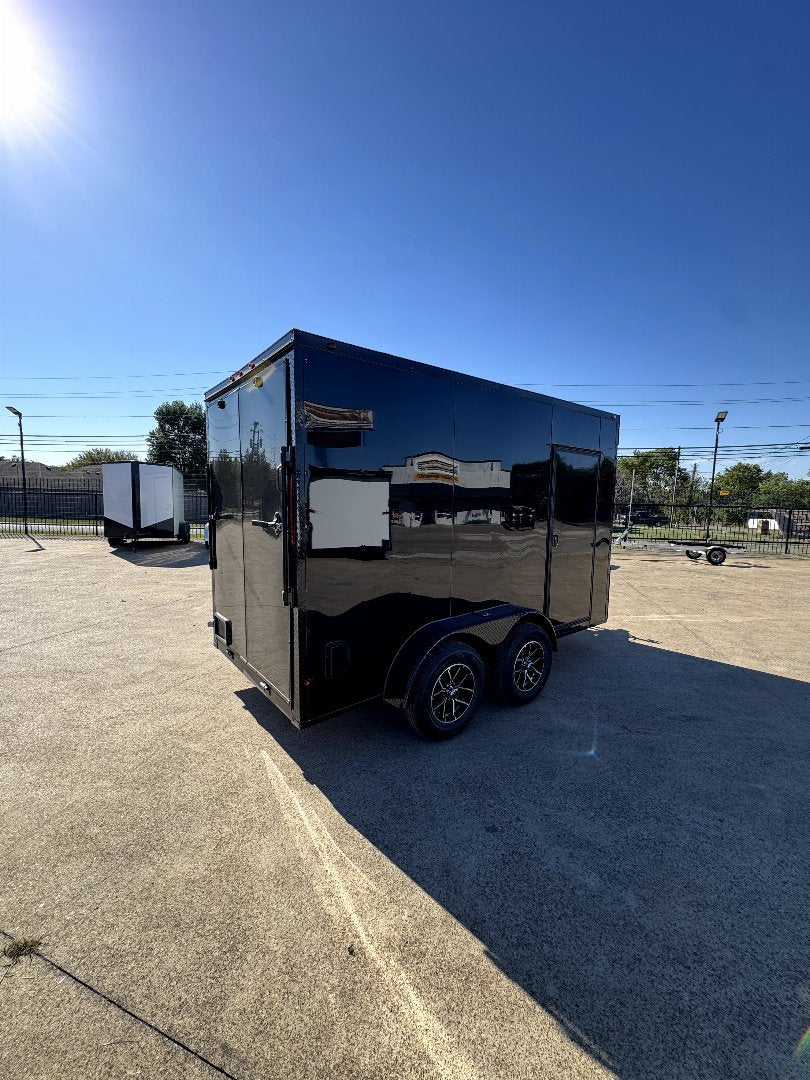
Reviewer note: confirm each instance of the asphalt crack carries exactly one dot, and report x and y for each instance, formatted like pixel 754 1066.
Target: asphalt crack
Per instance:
pixel 127 1012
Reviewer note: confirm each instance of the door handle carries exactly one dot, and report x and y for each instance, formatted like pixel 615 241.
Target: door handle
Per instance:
pixel 275 526
pixel 555 539
pixel 212 542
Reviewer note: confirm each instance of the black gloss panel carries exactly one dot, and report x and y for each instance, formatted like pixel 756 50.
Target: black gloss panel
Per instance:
pixel 609 438
pixel 573 524
pixel 379 473
pixel 225 463
pixel 570 427
pixel 263 424
pixel 501 499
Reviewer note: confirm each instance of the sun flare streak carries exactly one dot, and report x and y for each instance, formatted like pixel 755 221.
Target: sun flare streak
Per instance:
pixel 28 97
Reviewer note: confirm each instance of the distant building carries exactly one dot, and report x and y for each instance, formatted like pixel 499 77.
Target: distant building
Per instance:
pixel 435 489
pixel 778 522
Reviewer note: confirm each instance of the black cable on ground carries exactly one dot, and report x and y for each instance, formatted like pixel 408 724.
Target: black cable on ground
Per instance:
pixel 128 1012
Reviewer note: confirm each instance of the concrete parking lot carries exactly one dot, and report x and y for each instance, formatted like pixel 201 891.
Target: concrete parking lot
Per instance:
pixel 614 881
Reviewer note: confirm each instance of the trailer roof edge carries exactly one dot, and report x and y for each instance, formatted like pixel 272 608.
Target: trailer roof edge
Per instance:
pixel 306 338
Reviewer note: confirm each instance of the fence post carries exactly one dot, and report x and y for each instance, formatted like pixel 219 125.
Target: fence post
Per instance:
pixel 95 510
pixel 788 531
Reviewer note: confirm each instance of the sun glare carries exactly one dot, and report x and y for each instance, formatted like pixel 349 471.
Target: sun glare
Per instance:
pixel 26 91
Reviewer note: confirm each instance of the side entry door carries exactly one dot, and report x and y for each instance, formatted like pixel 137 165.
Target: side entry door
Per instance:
pixel 265 476
pixel 572 536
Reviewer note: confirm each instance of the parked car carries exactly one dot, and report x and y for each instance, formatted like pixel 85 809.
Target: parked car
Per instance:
pixel 648 517
pixel 518 517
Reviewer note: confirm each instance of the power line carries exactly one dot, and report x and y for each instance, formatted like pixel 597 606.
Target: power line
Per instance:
pixel 741 452
pixel 135 436
pixel 62 435
pixel 107 395
pixel 723 446
pixel 710 427
pixel 85 378
pixel 577 385
pixel 96 416
pixel 645 427
pixel 665 402
pixel 670 385
pixel 671 401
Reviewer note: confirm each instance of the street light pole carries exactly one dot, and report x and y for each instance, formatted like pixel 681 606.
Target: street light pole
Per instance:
pixel 18 414
pixel 674 486
pixel 718 420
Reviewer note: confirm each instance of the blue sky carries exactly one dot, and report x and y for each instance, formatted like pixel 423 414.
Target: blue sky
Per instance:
pixel 546 193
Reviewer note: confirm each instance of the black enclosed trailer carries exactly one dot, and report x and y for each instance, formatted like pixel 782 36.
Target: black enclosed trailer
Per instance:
pixel 381 528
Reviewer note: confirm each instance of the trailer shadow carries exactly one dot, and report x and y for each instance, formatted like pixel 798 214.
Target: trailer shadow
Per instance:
pixel 632 850
pixel 166 555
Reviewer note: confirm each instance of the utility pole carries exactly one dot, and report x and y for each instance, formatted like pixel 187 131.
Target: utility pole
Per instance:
pixel 18 414
pixel 630 507
pixel 718 421
pixel 691 489
pixel 674 486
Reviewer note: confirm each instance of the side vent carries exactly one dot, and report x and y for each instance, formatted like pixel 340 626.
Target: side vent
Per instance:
pixel 337 659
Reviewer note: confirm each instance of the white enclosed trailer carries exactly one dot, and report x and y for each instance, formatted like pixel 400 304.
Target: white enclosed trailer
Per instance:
pixel 143 501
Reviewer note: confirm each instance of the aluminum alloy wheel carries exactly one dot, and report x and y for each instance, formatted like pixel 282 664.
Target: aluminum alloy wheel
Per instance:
pixel 528 669
pixel 452 693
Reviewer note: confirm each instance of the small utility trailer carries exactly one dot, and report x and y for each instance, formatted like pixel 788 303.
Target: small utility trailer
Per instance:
pixel 715 553
pixel 382 529
pixel 143 500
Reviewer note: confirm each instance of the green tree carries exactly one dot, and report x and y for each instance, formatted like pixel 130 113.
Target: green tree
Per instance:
pixel 654 475
pixel 99 455
pixel 742 481
pixel 179 438
pixel 777 490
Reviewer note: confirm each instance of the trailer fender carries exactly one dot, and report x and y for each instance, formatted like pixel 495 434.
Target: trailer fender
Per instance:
pixel 485 630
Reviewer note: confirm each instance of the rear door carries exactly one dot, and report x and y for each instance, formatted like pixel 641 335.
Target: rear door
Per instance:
pixel 265 476
pixel 157 498
pixel 572 537
pixel 225 521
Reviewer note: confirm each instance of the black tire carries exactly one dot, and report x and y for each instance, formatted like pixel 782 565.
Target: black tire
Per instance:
pixel 115 541
pixel 716 556
pixel 693 555
pixel 432 708
pixel 522 664
pixel 183 533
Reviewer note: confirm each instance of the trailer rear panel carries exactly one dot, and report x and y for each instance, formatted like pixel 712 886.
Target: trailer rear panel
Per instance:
pixel 143 500
pixel 249 478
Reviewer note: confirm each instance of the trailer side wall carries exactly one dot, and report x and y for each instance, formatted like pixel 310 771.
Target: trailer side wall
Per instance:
pixel 472 473
pixel 363 423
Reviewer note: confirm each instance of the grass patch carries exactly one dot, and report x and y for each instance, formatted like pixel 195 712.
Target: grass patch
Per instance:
pixel 17 948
